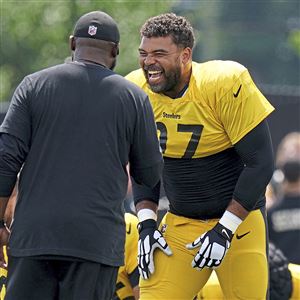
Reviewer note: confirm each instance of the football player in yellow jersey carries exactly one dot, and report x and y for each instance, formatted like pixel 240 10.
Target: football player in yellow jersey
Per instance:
pixel 127 287
pixel 211 121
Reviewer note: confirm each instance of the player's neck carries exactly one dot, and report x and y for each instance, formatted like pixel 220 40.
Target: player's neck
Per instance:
pixel 182 86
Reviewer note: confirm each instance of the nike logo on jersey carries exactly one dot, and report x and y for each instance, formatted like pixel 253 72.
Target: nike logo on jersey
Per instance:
pixel 238 91
pixel 242 235
pixel 129 229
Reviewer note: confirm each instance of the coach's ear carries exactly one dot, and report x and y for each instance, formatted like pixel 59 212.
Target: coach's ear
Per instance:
pixel 72 42
pixel 115 50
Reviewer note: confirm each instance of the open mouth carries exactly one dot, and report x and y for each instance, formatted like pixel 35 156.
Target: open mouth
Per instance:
pixel 154 76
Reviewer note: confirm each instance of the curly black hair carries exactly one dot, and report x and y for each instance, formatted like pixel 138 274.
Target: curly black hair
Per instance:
pixel 178 27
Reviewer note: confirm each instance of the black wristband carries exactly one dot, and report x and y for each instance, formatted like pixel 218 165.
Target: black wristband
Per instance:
pixel 149 223
pixel 2 224
pixel 223 231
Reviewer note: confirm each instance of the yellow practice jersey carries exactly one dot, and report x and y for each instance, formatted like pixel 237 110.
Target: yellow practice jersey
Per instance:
pixel 3 276
pixel 221 105
pixel 124 288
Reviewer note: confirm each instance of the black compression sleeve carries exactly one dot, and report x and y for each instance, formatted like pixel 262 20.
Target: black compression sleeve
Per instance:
pixel 256 151
pixel 147 176
pixel 142 192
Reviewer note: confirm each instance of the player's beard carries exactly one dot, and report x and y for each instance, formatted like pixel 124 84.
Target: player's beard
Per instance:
pixel 170 80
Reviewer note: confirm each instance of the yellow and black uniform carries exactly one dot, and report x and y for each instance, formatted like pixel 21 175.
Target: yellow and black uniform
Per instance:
pixel 128 275
pixel 3 276
pixel 197 134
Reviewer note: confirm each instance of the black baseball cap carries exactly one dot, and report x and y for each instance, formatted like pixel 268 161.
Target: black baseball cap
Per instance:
pixel 97 25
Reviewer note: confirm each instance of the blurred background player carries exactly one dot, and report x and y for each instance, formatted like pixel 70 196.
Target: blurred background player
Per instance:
pixel 127 287
pixel 218 160
pixel 284 214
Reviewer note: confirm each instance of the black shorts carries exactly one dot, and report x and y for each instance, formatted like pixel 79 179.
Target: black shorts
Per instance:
pixel 33 278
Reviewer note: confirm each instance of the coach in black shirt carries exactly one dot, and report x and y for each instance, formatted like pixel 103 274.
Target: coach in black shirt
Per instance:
pixel 71 129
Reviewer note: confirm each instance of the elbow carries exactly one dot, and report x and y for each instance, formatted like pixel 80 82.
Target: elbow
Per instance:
pixel 266 171
pixel 152 178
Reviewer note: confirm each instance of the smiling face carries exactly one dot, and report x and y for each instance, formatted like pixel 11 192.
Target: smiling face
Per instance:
pixel 164 64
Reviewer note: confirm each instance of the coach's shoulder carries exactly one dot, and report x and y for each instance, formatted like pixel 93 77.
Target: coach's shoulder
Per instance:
pixel 137 77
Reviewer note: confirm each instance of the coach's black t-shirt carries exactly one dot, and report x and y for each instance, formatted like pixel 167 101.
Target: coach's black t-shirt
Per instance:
pixel 81 124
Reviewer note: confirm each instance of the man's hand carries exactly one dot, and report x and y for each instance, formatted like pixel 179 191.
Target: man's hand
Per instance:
pixel 213 247
pixel 150 239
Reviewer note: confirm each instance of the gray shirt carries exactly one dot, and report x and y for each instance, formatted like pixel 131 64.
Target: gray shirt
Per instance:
pixel 73 128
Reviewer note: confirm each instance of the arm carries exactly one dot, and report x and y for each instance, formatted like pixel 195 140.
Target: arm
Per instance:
pixel 145 159
pixel 7 206
pixel 4 233
pixel 255 149
pixel 10 208
pixel 134 281
pixel 12 155
pixel 136 292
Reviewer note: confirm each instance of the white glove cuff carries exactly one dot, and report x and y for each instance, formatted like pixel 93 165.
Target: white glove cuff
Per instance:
pixel 230 221
pixel 145 214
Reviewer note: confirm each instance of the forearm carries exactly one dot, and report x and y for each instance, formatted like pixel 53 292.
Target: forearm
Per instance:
pixel 10 208
pixel 136 292
pixel 146 204
pixel 256 151
pixel 237 209
pixel 146 209
pixel 3 204
pixel 146 200
pixel 149 177
pixel 134 282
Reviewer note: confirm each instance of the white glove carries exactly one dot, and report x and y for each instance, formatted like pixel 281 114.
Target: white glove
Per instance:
pixel 213 247
pixel 215 243
pixel 150 239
